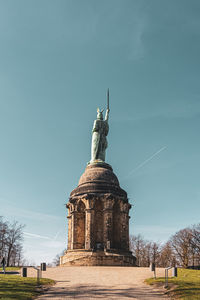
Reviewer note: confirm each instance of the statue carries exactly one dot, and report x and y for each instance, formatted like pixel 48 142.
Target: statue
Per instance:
pixel 99 133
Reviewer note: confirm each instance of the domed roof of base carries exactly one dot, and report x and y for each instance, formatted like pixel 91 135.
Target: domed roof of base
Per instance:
pixel 98 178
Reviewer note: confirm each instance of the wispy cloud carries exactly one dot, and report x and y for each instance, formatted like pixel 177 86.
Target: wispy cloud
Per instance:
pixel 54 244
pixel 36 235
pixel 33 235
pixel 41 247
pixel 11 209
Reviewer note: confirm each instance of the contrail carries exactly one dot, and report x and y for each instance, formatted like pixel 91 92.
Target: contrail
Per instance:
pixel 147 160
pixel 36 235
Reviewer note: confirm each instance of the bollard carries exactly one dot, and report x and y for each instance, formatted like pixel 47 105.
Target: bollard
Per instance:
pixel 43 267
pixel 174 272
pixel 152 267
pixel 24 272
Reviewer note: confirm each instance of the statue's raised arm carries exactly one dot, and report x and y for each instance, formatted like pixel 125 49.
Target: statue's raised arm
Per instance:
pixel 108 108
pixel 99 133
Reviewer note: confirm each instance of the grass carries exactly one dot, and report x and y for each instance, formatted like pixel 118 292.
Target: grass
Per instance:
pixel 16 287
pixel 11 269
pixel 186 286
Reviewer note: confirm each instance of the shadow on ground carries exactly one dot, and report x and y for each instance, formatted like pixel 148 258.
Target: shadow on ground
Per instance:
pixel 85 291
pixel 10 273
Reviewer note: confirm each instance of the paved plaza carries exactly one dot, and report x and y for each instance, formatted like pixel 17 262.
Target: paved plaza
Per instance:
pixel 100 283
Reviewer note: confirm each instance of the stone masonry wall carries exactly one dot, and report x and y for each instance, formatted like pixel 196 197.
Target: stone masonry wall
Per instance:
pixel 98 223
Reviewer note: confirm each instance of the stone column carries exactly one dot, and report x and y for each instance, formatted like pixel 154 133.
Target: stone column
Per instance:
pixel 108 222
pixel 125 226
pixel 73 230
pixel 89 234
pixel 69 246
pixel 128 218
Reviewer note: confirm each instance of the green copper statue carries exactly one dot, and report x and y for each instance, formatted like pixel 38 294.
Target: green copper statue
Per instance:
pixel 99 133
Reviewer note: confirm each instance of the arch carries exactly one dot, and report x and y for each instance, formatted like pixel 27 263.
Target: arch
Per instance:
pixel 79 226
pixel 116 226
pixel 81 207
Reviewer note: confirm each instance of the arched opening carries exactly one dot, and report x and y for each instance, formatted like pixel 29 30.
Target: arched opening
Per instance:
pixel 99 225
pixel 116 226
pixel 79 226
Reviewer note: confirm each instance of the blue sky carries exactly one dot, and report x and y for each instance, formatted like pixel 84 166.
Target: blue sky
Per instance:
pixel 57 59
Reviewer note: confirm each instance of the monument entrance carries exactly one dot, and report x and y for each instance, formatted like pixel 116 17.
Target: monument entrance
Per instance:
pixel 98 210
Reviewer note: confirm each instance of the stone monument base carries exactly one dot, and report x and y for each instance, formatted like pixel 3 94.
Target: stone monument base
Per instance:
pixel 97 258
pixel 98 221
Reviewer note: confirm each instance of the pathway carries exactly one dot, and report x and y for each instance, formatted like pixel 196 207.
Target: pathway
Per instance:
pixel 100 283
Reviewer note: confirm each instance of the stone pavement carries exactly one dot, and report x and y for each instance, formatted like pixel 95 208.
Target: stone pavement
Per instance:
pixel 100 283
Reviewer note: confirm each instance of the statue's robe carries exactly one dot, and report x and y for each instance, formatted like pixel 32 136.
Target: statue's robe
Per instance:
pixel 99 141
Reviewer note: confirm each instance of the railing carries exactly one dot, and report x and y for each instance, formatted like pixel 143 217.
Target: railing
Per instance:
pixel 39 271
pixel 174 274
pixel 38 274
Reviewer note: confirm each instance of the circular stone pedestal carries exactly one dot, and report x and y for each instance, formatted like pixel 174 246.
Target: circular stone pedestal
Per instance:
pixel 99 258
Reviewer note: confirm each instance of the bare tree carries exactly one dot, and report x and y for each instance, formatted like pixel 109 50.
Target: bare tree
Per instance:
pixel 146 254
pixel 195 244
pixel 183 248
pixel 14 239
pixel 11 237
pixel 181 244
pixel 144 251
pixel 167 256
pixel 155 253
pixel 3 236
pixel 16 257
pixel 137 244
pixel 56 260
